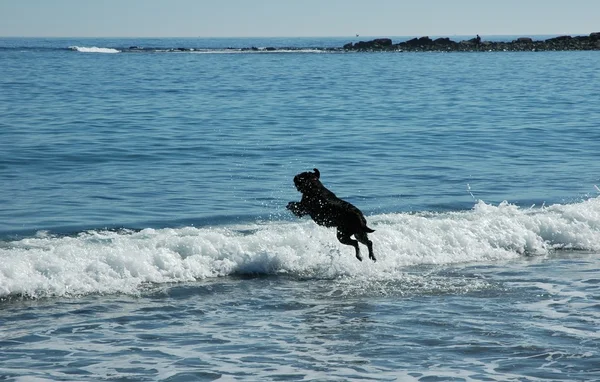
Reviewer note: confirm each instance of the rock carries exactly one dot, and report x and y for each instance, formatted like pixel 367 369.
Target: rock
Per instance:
pixel 378 43
pixel 526 40
pixel 473 41
pixel 559 39
pixel 595 36
pixel 383 41
pixel 421 41
pixel 363 45
pixel 411 42
pixel 442 41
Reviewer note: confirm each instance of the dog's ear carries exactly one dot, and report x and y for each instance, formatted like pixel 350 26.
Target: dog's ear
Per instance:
pixel 317 173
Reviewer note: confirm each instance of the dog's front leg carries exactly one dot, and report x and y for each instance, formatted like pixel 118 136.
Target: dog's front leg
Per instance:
pixel 297 208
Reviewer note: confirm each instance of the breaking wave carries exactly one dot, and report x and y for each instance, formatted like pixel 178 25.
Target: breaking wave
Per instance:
pixel 125 261
pixel 93 49
pixel 138 49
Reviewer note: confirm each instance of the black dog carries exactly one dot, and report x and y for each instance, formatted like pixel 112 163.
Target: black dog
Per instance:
pixel 330 211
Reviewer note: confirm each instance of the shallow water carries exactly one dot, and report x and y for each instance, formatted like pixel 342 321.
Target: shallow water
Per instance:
pixel 144 236
pixel 526 319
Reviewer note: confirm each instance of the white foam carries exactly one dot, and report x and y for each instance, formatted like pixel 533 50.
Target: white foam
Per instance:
pixel 123 262
pixel 93 49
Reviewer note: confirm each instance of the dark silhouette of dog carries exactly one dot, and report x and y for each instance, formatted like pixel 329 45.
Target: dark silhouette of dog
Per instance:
pixel 328 210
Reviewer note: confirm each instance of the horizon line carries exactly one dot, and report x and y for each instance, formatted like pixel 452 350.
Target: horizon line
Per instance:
pixel 307 36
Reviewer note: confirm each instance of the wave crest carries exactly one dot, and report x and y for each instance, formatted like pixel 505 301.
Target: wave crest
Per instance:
pixel 124 261
pixel 93 49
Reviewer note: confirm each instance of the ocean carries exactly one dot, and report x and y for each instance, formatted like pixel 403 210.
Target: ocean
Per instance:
pixel 144 234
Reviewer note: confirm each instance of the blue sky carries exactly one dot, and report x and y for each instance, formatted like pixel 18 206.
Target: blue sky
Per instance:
pixel 257 18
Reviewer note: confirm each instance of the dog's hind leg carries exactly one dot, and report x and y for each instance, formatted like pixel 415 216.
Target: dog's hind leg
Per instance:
pixel 363 238
pixel 344 238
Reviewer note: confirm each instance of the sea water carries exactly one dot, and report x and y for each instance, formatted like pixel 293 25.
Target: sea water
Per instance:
pixel 144 235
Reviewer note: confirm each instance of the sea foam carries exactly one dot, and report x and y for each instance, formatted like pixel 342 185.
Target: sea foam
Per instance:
pixel 126 261
pixel 93 49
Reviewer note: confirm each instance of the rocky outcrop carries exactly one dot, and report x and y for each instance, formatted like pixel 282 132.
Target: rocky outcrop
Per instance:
pixel 444 44
pixel 377 44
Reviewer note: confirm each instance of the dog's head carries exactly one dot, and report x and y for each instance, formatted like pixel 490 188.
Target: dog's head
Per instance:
pixel 307 181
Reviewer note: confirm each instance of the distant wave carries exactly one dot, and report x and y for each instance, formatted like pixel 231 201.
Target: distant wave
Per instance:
pixel 138 49
pixel 125 261
pixel 93 49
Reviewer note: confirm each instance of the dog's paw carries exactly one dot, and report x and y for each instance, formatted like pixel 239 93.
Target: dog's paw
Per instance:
pixel 295 208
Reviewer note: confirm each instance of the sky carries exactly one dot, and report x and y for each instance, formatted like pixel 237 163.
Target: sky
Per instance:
pixel 296 18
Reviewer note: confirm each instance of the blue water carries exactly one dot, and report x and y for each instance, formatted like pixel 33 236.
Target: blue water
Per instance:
pixel 144 235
